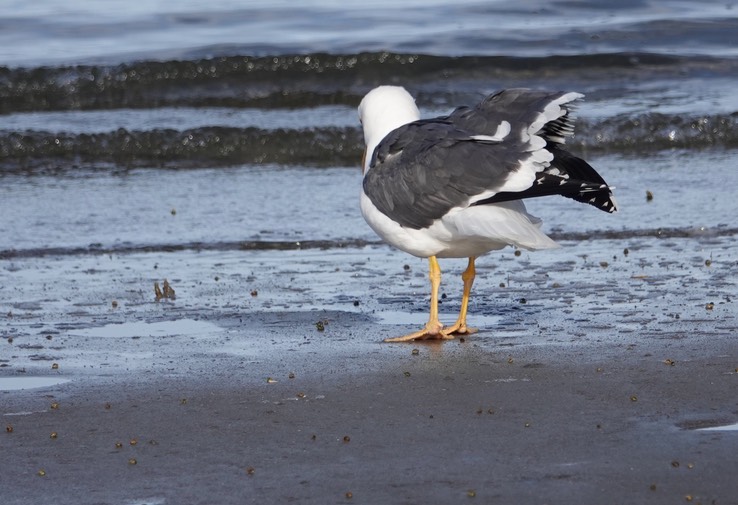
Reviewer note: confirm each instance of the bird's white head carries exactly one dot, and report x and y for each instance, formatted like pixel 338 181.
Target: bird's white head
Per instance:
pixel 382 110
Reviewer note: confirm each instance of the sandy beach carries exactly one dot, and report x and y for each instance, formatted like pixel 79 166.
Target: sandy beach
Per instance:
pixel 592 379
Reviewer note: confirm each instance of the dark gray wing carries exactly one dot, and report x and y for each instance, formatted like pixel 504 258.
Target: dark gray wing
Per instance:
pixel 423 169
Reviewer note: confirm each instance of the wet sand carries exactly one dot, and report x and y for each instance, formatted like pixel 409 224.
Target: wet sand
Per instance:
pixel 588 382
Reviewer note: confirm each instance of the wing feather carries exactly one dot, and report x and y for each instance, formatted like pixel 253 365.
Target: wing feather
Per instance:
pixel 508 147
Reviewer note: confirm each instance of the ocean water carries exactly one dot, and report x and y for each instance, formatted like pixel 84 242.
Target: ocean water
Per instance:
pixel 163 124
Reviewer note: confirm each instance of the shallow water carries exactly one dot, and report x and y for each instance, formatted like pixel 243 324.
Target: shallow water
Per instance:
pixel 269 205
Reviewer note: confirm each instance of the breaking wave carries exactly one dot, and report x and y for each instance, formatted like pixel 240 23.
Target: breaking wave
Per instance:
pixel 309 82
pixel 319 147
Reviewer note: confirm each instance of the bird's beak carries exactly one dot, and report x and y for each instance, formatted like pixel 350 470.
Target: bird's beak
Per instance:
pixel 363 162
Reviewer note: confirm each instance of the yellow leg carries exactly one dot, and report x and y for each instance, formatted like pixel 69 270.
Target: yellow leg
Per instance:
pixel 460 327
pixel 433 327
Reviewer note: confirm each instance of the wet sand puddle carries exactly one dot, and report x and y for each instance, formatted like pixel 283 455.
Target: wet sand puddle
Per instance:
pixel 727 427
pixel 23 383
pixel 138 329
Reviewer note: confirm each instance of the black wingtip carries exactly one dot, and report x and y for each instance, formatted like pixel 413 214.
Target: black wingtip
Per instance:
pixel 567 176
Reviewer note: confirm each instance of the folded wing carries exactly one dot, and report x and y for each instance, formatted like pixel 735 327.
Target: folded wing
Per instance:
pixel 508 147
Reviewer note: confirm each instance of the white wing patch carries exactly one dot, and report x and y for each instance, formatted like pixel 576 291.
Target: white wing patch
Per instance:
pixel 553 111
pixel 503 130
pixel 539 157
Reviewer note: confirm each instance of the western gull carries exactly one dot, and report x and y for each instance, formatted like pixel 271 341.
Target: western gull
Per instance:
pixel 453 186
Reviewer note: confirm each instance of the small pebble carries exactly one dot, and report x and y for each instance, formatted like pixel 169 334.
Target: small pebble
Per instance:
pixel 41 473
pixel 710 306
pixel 649 196
pixel 114 303
pixel 291 375
pixel 250 470
pixel 53 435
pixel 349 495
pixel 346 439
pixel 132 461
pixel 415 352
pixel 634 398
pixel 55 366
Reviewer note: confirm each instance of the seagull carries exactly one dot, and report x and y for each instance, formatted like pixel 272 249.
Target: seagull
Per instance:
pixel 453 186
